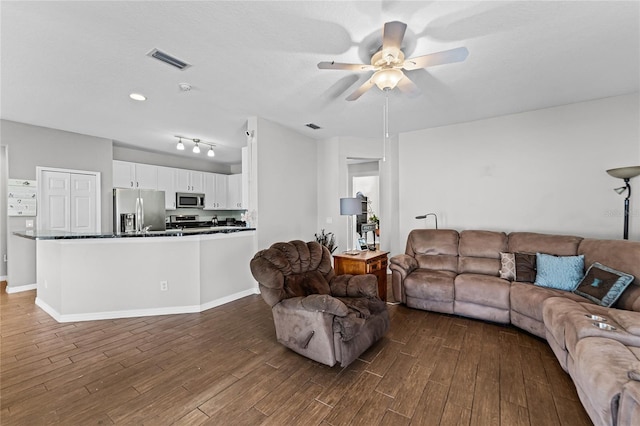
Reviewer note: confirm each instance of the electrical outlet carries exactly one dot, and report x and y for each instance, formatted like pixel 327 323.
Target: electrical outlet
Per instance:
pixel 164 286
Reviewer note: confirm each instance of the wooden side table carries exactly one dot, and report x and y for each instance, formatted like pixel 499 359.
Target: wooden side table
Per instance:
pixel 365 262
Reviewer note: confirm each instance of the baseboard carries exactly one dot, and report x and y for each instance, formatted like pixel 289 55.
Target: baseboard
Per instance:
pixel 226 299
pixel 133 313
pixel 20 288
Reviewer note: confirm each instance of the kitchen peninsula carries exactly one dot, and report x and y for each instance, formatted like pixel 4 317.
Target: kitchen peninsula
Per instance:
pixel 102 276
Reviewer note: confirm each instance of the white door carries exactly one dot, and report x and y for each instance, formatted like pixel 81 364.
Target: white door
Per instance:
pixel 69 201
pixel 83 203
pixel 55 212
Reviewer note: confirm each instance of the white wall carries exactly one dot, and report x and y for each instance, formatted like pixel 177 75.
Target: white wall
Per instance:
pixel 333 184
pixel 3 210
pixel 286 184
pixel 541 171
pixel 30 146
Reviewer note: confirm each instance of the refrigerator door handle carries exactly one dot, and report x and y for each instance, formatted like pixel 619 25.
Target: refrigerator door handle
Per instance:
pixel 141 214
pixel 138 224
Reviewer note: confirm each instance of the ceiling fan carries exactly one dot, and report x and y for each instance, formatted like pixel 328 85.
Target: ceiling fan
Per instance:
pixel 389 62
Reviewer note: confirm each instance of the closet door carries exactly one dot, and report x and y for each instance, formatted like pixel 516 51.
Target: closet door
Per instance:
pixel 55 213
pixel 83 203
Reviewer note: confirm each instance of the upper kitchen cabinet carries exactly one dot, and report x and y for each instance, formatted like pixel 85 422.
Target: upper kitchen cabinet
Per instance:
pixel 189 181
pixel 234 195
pixel 167 183
pixel 215 191
pixel 134 175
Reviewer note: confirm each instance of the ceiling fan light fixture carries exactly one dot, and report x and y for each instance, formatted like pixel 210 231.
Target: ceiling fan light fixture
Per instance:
pixel 387 78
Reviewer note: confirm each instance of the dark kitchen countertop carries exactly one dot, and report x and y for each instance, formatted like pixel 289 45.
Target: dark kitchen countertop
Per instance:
pixel 61 235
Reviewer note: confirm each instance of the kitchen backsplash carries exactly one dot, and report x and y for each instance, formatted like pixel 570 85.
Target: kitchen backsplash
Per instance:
pixel 205 215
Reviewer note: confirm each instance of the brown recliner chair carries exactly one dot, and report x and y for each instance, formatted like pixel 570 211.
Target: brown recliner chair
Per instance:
pixel 317 314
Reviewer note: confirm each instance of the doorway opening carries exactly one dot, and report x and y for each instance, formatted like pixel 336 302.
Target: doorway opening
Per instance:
pixel 364 180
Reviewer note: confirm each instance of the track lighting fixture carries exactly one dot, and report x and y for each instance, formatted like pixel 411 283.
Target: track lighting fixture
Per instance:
pixel 196 146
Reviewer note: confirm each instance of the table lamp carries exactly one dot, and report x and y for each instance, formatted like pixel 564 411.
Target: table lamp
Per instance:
pixel 350 207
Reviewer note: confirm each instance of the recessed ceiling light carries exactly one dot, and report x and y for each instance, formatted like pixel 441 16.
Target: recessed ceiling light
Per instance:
pixel 137 97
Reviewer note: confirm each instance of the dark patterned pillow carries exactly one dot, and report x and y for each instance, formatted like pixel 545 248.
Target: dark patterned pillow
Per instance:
pixel 603 285
pixel 525 267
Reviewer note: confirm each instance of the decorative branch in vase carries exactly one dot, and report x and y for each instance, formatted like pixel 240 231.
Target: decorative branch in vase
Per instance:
pixel 327 239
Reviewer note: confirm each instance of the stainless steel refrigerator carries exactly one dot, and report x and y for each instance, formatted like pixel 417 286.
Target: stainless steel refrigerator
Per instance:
pixel 136 210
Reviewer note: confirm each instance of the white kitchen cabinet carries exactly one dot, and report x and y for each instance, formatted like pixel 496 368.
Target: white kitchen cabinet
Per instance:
pixel 215 191
pixel 189 181
pixel 167 183
pixel 124 174
pixel 234 195
pixel 134 175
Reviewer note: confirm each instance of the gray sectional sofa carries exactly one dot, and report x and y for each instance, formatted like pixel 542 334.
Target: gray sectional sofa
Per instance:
pixel 460 273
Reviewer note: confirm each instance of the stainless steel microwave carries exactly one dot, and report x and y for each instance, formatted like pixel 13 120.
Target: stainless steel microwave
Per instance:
pixel 189 200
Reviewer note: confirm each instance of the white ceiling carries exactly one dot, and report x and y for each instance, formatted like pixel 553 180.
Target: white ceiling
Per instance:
pixel 71 65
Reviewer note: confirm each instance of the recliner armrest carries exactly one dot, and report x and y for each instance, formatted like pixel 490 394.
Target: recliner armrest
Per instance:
pixel 324 303
pixel 354 286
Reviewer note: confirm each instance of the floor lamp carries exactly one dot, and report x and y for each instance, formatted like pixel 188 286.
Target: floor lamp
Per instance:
pixel 625 173
pixel 350 207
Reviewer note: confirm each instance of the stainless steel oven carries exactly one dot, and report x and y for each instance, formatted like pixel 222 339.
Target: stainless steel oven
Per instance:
pixel 189 200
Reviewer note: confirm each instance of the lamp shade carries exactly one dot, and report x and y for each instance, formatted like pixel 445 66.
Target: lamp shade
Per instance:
pixel 350 206
pixel 625 172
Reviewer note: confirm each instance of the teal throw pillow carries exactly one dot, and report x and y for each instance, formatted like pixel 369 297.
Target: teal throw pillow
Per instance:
pixel 559 272
pixel 603 285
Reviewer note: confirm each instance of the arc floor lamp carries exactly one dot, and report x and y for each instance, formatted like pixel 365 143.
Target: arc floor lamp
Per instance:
pixel 625 173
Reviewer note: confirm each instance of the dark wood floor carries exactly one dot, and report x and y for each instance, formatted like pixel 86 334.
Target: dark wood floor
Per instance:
pixel 223 366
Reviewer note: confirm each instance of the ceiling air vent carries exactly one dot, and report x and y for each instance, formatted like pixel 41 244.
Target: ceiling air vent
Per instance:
pixel 168 59
pixel 312 126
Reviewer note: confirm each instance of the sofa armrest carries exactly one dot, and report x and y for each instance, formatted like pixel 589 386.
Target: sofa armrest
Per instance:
pixel 354 286
pixel 629 404
pixel 403 263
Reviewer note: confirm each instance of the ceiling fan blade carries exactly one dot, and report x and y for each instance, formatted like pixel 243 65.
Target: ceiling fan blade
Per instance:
pixel 360 90
pixel 392 35
pixel 439 58
pixel 342 66
pixel 408 87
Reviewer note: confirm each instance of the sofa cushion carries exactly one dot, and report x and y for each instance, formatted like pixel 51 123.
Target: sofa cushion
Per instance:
pixel 430 284
pixel 603 285
pixel 479 252
pixel 531 242
pixel 434 248
pixel 561 272
pixel 508 266
pixel 525 267
pixel 527 299
pixel 482 290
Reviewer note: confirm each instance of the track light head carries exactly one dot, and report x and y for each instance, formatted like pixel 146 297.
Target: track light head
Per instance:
pixel 180 145
pixel 621 189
